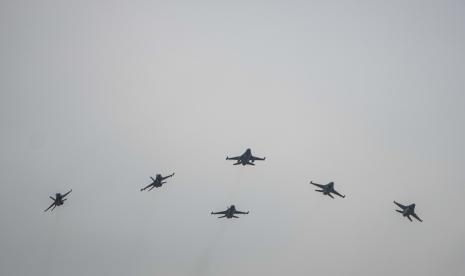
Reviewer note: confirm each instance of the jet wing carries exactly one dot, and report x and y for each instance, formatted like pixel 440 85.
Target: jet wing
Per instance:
pixel 257 158
pixel 415 216
pixel 318 185
pixel 49 207
pixel 335 192
pixel 400 205
pixel 240 212
pixel 146 187
pixel 219 213
pixel 168 176
pixel 67 193
pixel 233 158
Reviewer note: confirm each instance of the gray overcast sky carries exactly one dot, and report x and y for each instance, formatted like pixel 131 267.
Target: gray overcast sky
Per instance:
pixel 99 95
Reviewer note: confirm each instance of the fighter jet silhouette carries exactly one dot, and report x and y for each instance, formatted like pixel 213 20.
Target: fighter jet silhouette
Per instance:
pixel 408 211
pixel 157 182
pixel 58 200
pixel 230 213
pixel 245 159
pixel 327 189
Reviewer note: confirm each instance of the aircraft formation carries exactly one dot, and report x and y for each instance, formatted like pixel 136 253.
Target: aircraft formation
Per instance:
pixel 247 158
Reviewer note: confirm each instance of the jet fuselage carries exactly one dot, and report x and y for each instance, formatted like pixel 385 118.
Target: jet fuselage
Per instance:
pixel 409 210
pixel 58 199
pixel 230 212
pixel 157 182
pixel 328 188
pixel 246 157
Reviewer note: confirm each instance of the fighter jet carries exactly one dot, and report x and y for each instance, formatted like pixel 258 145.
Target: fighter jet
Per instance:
pixel 157 182
pixel 327 189
pixel 58 200
pixel 229 213
pixel 245 159
pixel 408 211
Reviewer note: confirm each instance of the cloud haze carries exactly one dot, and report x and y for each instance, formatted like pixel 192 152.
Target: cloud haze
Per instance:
pixel 99 95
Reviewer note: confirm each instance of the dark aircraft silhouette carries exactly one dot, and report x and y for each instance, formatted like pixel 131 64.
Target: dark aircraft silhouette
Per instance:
pixel 157 182
pixel 327 189
pixel 408 211
pixel 245 159
pixel 230 213
pixel 58 200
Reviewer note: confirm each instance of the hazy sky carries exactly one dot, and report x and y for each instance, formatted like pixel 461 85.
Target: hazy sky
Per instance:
pixel 99 95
